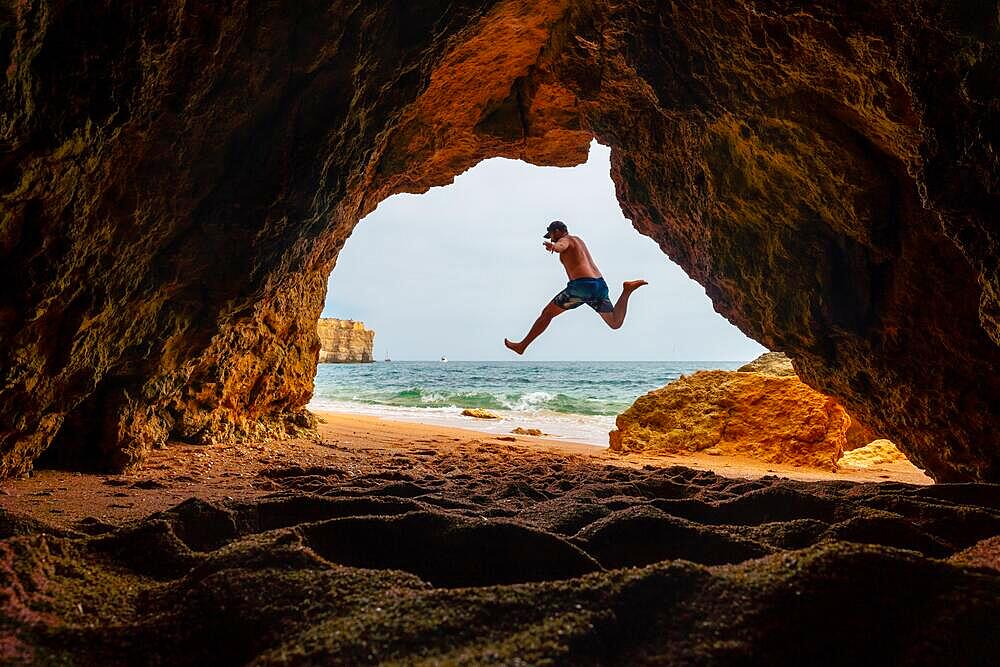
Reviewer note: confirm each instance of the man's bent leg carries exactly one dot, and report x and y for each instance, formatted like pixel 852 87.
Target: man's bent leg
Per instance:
pixel 550 311
pixel 616 317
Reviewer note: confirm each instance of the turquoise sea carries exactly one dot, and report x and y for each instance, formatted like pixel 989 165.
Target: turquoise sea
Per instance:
pixel 574 400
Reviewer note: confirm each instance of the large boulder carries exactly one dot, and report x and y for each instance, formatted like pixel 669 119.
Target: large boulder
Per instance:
pixel 765 417
pixel 778 363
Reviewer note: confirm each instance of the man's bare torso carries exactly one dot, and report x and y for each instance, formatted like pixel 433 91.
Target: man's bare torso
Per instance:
pixel 576 258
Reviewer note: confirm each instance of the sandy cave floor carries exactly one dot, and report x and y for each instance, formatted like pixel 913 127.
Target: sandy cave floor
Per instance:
pixel 360 445
pixel 383 542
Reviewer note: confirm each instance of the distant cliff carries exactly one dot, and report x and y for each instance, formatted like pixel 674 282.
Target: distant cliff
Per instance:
pixel 344 341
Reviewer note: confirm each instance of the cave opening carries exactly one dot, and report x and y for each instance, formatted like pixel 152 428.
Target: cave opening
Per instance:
pixel 445 274
pixel 448 274
pixel 418 260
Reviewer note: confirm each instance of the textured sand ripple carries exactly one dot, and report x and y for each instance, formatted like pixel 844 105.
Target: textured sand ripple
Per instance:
pixel 476 553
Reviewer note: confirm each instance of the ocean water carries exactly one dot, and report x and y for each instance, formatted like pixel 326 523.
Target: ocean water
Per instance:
pixel 572 400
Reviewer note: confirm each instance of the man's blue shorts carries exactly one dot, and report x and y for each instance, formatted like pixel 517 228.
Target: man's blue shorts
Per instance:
pixel 590 291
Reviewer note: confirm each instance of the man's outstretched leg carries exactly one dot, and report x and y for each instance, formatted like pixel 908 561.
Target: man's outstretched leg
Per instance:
pixel 550 311
pixel 616 317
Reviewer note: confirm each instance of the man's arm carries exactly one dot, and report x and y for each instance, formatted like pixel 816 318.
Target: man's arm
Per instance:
pixel 559 246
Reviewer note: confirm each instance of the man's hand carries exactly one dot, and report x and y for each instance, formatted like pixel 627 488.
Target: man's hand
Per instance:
pixel 551 247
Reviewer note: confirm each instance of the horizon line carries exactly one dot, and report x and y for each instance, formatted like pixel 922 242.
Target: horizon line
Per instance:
pixel 344 363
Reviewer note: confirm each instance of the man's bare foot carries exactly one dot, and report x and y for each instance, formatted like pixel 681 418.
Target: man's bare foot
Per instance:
pixel 517 347
pixel 632 285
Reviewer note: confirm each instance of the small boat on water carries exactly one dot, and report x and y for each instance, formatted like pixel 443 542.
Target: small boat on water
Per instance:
pixel 444 360
pixel 387 356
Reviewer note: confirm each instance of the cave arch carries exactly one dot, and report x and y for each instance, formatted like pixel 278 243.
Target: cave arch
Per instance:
pixel 454 270
pixel 176 185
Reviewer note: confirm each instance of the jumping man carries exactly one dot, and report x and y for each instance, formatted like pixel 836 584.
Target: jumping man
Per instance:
pixel 585 286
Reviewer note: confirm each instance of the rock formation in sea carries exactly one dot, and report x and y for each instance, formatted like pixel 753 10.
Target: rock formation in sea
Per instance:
pixel 177 179
pixel 777 419
pixel 344 341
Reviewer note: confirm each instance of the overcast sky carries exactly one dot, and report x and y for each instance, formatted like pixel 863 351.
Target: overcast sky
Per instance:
pixel 453 271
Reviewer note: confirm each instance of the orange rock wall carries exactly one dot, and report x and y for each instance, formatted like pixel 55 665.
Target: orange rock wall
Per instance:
pixel 777 363
pixel 763 417
pixel 176 183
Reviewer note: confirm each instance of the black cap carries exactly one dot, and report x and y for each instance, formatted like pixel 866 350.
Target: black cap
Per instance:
pixel 555 225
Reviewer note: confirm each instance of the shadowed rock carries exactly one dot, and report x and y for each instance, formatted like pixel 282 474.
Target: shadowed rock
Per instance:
pixel 886 529
pixel 13 524
pixel 985 553
pixel 200 525
pixel 152 548
pixel 281 512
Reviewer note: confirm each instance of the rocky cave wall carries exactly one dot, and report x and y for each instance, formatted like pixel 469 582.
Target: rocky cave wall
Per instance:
pixel 176 181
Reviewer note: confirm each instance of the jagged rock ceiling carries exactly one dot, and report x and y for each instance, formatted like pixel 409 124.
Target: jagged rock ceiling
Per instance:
pixel 176 181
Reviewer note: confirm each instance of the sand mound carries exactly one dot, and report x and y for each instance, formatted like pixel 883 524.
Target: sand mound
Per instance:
pixel 481 554
pixel 985 553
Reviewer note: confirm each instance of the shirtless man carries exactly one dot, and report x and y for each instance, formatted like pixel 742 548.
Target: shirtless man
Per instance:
pixel 585 286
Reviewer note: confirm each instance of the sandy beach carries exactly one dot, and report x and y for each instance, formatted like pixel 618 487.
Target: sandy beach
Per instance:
pixel 384 542
pixel 360 444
